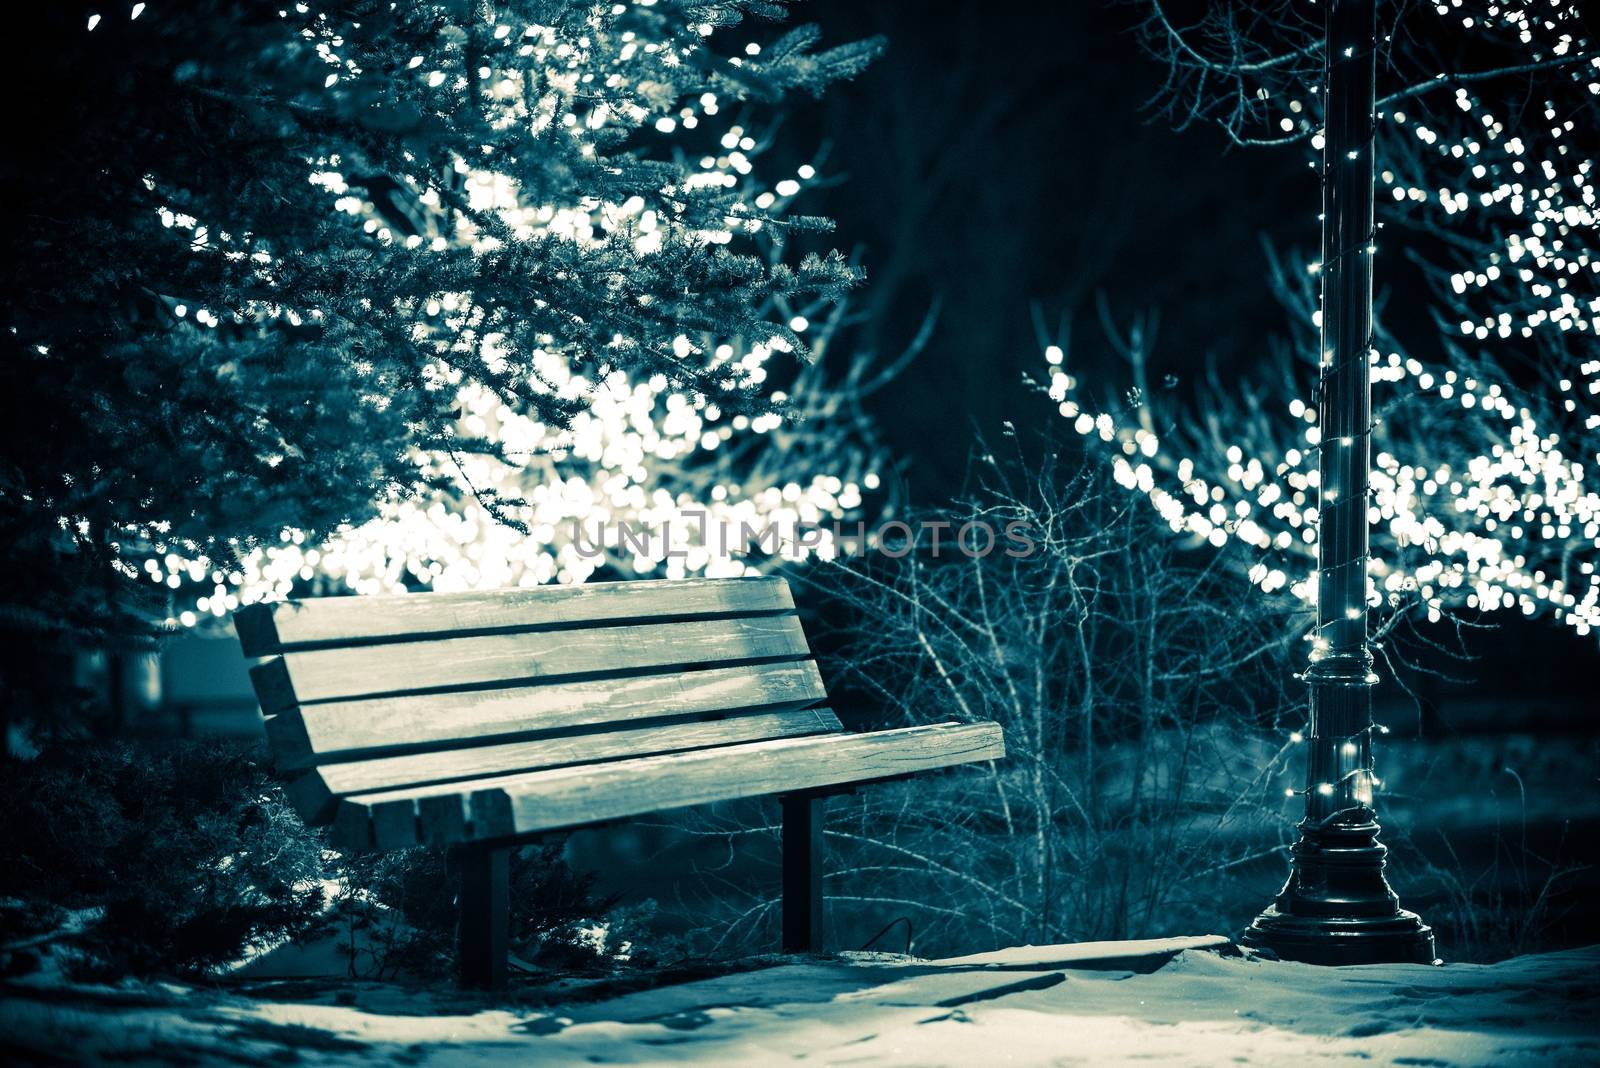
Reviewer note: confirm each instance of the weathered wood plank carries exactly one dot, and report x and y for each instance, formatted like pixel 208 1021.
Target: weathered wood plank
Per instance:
pixel 442 820
pixel 315 794
pixel 305 736
pixel 394 824
pixel 446 663
pixel 488 813
pixel 352 829
pixel 570 797
pixel 265 629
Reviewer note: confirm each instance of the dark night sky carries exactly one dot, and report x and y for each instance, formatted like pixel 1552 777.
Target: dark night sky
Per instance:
pixel 992 169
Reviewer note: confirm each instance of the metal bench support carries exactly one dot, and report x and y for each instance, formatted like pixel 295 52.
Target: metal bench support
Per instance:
pixel 802 873
pixel 483 934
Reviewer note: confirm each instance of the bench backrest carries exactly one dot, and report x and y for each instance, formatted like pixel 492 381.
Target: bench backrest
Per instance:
pixel 382 693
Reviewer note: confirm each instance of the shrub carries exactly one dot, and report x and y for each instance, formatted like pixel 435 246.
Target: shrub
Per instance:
pixel 185 855
pixel 402 905
pixel 1135 679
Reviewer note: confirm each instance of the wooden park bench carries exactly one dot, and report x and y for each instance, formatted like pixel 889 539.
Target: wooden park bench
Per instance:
pixel 480 721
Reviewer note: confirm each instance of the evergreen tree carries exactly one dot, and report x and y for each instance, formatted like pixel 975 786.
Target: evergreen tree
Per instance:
pixel 263 254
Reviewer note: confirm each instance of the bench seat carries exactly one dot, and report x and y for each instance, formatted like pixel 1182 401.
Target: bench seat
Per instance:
pixel 477 721
pixel 565 797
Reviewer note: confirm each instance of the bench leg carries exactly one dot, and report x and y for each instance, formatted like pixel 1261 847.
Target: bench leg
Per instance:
pixel 484 926
pixel 802 874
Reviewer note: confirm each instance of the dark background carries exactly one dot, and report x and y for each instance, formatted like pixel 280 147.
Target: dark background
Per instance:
pixel 993 171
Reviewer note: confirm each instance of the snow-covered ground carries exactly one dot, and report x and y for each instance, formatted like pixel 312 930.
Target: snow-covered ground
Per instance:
pixel 1176 1001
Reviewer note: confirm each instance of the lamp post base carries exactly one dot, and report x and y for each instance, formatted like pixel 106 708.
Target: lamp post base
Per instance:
pixel 1399 939
pixel 1337 907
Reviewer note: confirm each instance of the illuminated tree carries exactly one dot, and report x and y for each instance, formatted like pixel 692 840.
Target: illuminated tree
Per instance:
pixel 648 481
pixel 284 270
pixel 1488 427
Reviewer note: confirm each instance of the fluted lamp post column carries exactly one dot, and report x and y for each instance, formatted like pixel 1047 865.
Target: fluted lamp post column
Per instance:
pixel 1337 907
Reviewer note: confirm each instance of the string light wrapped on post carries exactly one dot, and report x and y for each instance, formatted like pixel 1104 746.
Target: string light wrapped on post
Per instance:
pixel 1484 495
pixel 1336 907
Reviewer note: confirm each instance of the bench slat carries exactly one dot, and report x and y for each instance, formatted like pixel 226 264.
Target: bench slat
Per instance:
pixel 305 736
pixel 452 663
pixel 571 797
pixel 265 629
pixel 315 793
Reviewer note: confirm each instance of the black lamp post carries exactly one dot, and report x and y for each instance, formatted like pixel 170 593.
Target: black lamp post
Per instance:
pixel 1337 907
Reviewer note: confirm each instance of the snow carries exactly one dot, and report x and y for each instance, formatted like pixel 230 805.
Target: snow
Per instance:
pixel 1189 1001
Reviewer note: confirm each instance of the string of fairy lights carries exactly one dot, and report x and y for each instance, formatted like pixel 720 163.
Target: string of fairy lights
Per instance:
pixel 1339 756
pixel 642 455
pixel 1477 521
pixel 1354 755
